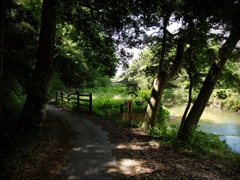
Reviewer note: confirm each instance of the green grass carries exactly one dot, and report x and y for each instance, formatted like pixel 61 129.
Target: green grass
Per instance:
pixel 201 143
pixel 107 100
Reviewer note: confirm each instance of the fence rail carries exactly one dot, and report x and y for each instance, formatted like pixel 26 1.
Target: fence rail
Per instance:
pixel 76 98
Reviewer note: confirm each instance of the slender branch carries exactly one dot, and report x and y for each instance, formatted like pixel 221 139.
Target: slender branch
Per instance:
pixel 164 41
pixel 190 87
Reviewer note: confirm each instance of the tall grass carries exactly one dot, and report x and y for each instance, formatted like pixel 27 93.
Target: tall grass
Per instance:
pixel 107 100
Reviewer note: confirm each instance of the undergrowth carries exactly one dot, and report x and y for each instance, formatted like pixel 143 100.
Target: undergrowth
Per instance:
pixel 107 101
pixel 19 150
pixel 201 143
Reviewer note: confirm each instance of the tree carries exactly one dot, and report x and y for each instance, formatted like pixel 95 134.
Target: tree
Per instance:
pixel 85 43
pixel 159 85
pixel 33 113
pixel 166 69
pixel 232 24
pixel 139 74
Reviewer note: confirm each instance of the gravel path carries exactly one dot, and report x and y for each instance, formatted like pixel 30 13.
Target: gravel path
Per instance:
pixel 91 157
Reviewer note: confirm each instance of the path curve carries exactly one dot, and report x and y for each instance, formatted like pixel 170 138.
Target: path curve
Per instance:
pixel 91 157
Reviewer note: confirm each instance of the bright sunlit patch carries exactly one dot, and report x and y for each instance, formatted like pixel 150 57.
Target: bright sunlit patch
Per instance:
pixel 121 146
pixel 154 144
pixel 117 97
pixel 77 149
pixel 127 165
pixel 131 166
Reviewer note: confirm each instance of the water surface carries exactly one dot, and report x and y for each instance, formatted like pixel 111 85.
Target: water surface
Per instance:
pixel 214 121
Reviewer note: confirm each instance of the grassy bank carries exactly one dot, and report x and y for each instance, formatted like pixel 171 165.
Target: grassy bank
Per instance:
pixel 107 100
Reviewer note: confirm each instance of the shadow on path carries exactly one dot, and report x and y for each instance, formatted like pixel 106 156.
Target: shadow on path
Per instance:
pixel 91 157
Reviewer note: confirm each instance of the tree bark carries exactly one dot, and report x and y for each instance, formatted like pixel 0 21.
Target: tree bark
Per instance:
pixel 191 79
pixel 158 87
pixel 33 113
pixel 196 111
pixel 153 105
pixel 151 113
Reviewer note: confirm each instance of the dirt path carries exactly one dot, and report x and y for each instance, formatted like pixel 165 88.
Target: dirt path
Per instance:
pixel 91 156
pixel 131 154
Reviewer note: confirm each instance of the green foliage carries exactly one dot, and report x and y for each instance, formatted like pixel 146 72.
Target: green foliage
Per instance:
pixel 206 143
pixel 13 100
pixel 107 100
pixel 168 134
pixel 163 115
pixel 232 103
pixel 137 74
pixel 98 81
pixel 221 94
pixel 226 99
pixel 141 99
pixel 57 84
pixel 201 142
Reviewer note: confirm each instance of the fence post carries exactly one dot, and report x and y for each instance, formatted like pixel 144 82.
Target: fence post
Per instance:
pixel 90 103
pixel 56 97
pixel 121 108
pixel 62 96
pixel 69 97
pixel 78 99
pixel 130 111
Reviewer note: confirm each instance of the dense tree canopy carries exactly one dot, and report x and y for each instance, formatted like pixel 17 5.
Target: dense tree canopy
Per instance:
pixel 83 48
pixel 90 41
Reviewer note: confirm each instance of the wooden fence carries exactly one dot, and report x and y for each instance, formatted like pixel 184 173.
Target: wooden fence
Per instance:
pixel 76 98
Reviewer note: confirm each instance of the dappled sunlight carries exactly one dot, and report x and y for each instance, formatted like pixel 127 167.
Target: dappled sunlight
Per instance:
pixel 130 167
pixel 77 149
pixel 122 146
pixel 133 157
pixel 118 97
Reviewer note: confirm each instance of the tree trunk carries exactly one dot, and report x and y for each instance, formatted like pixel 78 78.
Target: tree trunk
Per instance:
pixel 191 79
pixel 196 111
pixel 153 105
pixel 33 113
pixel 151 113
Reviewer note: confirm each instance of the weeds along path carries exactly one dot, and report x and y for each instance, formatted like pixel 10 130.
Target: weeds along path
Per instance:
pixel 91 156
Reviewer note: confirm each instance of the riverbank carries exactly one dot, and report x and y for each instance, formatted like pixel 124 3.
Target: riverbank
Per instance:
pixel 223 99
pixel 222 123
pixel 139 156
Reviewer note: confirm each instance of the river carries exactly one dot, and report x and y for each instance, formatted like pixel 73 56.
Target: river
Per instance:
pixel 215 121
